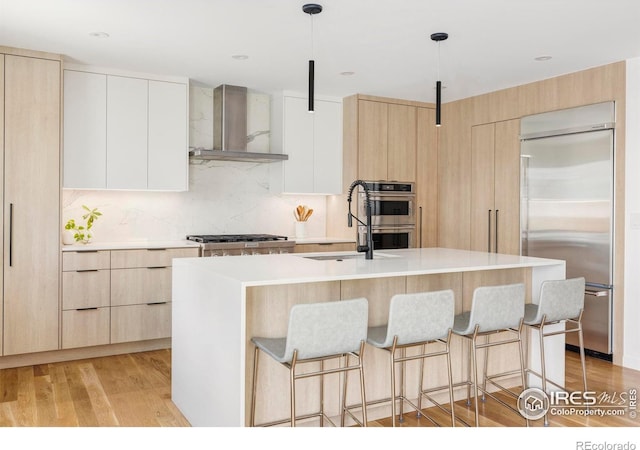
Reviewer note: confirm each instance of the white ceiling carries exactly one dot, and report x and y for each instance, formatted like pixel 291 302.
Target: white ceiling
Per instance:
pixel 492 43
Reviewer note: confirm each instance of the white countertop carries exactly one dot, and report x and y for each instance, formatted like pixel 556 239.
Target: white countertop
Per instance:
pixel 128 245
pixel 260 270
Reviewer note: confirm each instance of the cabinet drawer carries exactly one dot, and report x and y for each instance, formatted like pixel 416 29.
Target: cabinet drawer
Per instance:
pixel 143 285
pixel 84 328
pixel 85 289
pixel 85 260
pixel 122 259
pixel 140 322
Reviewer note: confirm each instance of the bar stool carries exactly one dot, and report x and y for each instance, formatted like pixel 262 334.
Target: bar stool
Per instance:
pixel 559 301
pixel 494 309
pixel 318 332
pixel 416 320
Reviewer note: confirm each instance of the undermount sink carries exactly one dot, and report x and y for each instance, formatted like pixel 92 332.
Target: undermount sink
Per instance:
pixel 334 257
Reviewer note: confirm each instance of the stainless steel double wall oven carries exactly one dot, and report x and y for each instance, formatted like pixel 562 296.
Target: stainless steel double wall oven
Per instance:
pixel 393 216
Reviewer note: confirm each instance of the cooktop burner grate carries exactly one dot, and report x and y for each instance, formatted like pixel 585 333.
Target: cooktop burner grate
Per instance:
pixel 208 238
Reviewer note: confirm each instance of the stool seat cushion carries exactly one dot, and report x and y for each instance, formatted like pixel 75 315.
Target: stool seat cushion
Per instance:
pixel 319 330
pixel 273 347
pixel 376 336
pixel 415 318
pixel 493 308
pixel 559 300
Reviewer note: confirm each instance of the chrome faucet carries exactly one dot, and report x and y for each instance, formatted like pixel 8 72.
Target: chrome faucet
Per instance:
pixel 368 248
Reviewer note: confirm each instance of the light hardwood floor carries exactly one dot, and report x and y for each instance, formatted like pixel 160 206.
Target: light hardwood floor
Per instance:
pixel 134 390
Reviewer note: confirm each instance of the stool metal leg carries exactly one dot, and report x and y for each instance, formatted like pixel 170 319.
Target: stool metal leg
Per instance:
pixel 522 366
pixel 322 394
pixel 474 368
pixel 402 388
pixel 345 375
pixel 469 364
pixel 363 396
pixel 292 382
pixel 423 349
pixel 485 364
pixel 392 364
pixel 254 387
pixel 543 371
pixel 450 374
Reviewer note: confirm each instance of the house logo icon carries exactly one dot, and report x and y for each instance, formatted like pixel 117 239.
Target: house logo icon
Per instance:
pixel 533 403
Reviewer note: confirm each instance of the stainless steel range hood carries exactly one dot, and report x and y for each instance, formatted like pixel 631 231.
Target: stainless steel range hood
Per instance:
pixel 230 129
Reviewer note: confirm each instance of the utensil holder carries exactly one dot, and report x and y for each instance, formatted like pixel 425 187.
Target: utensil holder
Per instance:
pixel 301 230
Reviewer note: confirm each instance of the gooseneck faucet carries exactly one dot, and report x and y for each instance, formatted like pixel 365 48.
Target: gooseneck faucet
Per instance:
pixel 368 248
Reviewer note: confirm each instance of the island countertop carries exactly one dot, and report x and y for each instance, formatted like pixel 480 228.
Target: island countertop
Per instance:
pixel 220 303
pixel 259 270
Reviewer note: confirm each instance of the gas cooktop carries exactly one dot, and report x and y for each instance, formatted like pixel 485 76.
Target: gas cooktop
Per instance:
pixel 210 238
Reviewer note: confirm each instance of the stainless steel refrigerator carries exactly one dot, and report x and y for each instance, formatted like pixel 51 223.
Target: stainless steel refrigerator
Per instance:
pixel 567 206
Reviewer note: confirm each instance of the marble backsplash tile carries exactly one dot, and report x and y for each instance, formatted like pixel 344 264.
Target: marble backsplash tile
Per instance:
pixel 223 198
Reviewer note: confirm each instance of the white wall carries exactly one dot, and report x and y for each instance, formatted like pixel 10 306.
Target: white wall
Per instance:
pixel 631 357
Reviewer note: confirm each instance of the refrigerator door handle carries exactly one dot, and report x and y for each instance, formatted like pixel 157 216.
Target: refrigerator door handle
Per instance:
pixel 597 293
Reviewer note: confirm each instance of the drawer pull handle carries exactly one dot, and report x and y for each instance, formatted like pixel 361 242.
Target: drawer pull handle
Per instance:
pixel 156 303
pixel 157 267
pixel 87 309
pixel 86 251
pixel 325 243
pixel 156 249
pixel 87 270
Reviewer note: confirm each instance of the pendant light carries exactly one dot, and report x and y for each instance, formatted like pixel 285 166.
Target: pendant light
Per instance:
pixel 438 37
pixel 311 9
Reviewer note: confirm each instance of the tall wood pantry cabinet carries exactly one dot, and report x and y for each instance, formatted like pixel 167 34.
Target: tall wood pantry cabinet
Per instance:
pixel 495 187
pixel 30 92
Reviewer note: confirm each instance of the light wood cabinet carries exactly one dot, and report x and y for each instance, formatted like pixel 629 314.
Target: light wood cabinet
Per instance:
pixel 124 131
pixel 313 143
pixel 495 187
pixel 115 296
pixel 86 298
pixel 31 198
pixel 140 322
pixel 427 178
pixel 386 141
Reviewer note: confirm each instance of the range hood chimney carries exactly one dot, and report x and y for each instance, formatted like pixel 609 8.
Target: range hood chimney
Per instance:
pixel 230 135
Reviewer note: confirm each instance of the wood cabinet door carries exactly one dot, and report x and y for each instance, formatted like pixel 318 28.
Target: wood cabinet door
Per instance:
pixel 127 101
pixel 85 130
pixel 482 188
pixel 427 177
pixel 507 182
pixel 168 144
pixel 32 204
pixel 401 150
pixel 372 140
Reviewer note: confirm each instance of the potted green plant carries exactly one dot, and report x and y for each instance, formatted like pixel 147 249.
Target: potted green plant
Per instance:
pixel 82 233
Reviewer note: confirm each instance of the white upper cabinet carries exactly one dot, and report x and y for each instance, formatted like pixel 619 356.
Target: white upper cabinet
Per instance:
pixel 85 133
pixel 127 100
pixel 124 131
pixel 313 142
pixel 168 136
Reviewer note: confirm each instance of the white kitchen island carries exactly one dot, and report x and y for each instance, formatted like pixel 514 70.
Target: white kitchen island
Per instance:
pixel 220 303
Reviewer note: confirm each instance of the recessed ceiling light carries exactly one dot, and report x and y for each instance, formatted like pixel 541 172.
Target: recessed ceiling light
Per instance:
pixel 99 34
pixel 240 57
pixel 543 58
pixel 347 74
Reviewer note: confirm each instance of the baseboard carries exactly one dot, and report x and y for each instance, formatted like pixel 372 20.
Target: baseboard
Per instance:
pixel 592 353
pixel 30 359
